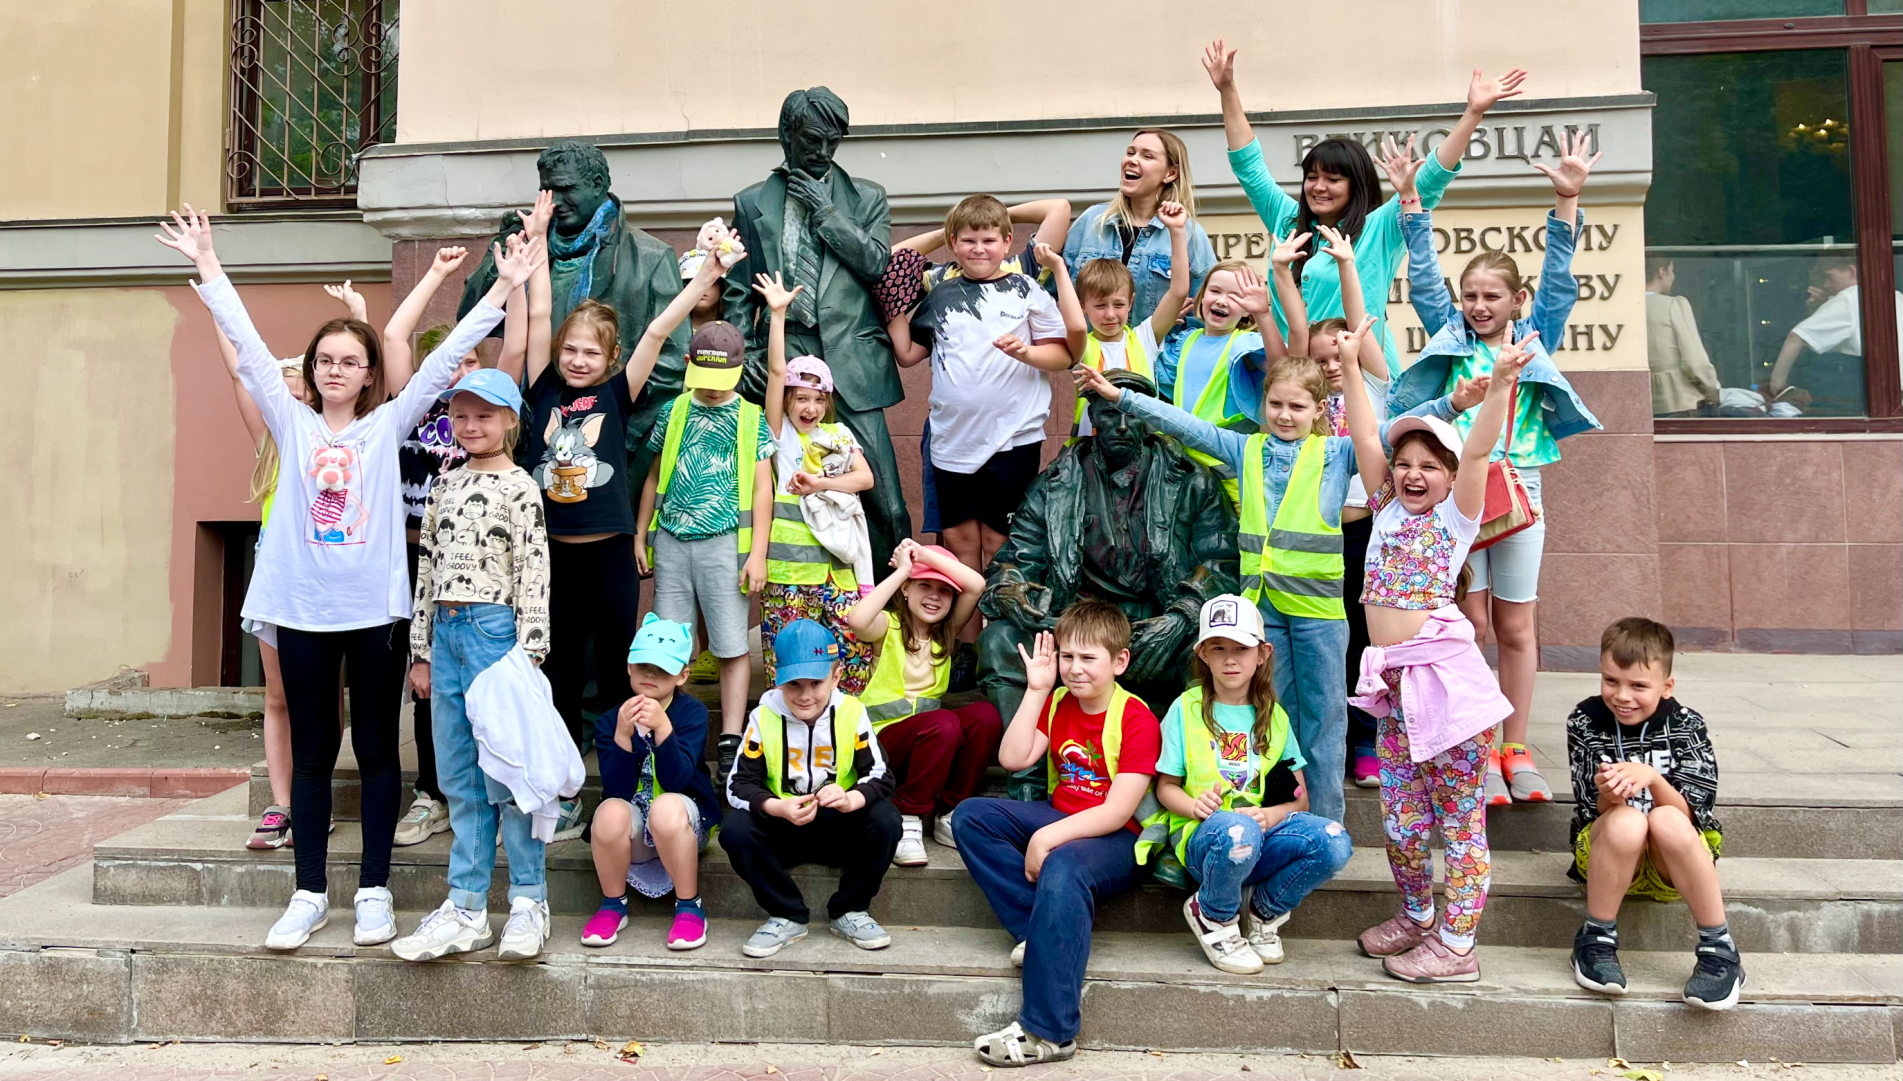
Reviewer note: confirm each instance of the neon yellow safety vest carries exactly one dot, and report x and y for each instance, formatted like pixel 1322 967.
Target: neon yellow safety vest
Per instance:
pixel 1202 770
pixel 745 452
pixel 1133 358
pixel 1209 405
pixel 1303 576
pixel 884 696
pixel 846 744
pixel 1154 831
pixel 794 557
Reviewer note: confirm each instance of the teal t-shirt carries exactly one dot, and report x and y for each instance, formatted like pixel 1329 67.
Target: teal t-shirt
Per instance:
pixel 703 499
pixel 1533 444
pixel 1235 751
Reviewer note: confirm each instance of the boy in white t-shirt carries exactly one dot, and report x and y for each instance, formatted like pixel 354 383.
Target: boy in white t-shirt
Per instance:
pixel 991 334
pixel 1097 311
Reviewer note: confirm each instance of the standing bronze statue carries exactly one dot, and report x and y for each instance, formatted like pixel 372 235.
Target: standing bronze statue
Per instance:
pixel 593 253
pixel 1123 516
pixel 816 226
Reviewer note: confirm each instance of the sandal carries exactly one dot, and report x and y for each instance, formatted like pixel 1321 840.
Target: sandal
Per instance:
pixel 1012 1046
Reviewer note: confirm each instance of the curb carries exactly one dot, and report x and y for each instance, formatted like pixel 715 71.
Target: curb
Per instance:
pixel 107 781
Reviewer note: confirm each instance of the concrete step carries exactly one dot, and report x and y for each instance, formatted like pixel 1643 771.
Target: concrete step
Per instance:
pixel 1846 825
pixel 73 969
pixel 196 857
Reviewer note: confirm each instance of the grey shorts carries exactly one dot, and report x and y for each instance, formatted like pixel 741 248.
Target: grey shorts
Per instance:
pixel 703 573
pixel 645 872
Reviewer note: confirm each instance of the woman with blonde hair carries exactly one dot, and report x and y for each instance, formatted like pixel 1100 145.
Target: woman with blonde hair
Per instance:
pixel 1155 170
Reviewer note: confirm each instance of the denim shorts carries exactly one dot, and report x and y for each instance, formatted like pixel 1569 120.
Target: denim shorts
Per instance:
pixel 1510 570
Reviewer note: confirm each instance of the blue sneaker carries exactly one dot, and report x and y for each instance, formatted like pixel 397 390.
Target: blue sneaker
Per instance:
pixel 774 935
pixel 570 825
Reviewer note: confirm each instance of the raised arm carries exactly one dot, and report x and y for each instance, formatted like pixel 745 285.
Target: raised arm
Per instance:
pixel 1076 327
pixel 1023 745
pixel 1288 295
pixel 515 334
pixel 1219 60
pixel 247 409
pixel 189 234
pixel 1364 427
pixel 1271 203
pixel 398 354
pixel 1482 94
pixel 541 295
pixel 1184 426
pixel 1426 287
pixel 1170 306
pixel 971 584
pixel 436 371
pixel 1341 248
pixel 1559 290
pixel 1470 485
pixel 654 338
pixel 778 298
pixel 1051 216
pixel 1569 176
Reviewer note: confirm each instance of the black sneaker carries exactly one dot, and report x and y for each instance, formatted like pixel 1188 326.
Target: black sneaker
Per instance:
pixel 1596 962
pixel 727 751
pixel 1717 979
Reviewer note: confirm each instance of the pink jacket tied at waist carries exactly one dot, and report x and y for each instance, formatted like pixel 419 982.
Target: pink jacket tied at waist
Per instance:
pixel 1448 695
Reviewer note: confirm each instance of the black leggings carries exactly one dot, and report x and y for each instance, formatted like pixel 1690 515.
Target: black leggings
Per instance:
pixel 376 659
pixel 419 711
pixel 1354 555
pixel 594 592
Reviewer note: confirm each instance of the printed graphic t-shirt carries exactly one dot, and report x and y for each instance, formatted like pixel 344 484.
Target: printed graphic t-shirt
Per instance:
pixel 428 452
pixel 1083 777
pixel 575 447
pixel 984 401
pixel 1236 757
pixel 703 498
pixel 1414 560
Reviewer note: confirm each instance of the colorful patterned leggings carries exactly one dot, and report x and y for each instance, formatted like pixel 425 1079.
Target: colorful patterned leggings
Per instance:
pixel 1445 790
pixel 825 603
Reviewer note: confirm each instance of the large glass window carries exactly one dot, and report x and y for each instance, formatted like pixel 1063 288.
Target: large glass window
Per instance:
pixel 1751 236
pixel 1686 11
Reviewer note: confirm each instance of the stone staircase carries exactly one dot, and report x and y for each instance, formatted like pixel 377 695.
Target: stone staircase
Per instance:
pixel 158 939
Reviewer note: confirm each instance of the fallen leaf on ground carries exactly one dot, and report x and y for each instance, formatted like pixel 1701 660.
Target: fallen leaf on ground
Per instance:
pixel 770 1068
pixel 1346 1060
pixel 1643 1075
pixel 632 1049
pixel 601 1045
pixel 393 1060
pixel 1618 1064
pixel 877 1051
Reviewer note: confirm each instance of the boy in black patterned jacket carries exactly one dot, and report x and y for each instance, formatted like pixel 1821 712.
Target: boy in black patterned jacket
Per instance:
pixel 1644 781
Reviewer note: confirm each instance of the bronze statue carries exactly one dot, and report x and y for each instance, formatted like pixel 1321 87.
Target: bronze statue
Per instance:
pixel 1123 516
pixel 593 253
pixel 818 227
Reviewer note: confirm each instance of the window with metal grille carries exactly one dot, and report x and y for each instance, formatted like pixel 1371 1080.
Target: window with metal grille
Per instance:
pixel 313 83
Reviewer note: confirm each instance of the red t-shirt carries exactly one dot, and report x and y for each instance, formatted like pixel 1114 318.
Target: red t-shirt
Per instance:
pixel 1083 778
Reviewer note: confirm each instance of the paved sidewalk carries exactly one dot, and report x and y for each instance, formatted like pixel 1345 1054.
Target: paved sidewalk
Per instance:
pixel 40 837
pixel 731 1062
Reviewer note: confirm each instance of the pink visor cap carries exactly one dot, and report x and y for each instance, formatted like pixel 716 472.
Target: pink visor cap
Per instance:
pixel 922 570
pixel 809 373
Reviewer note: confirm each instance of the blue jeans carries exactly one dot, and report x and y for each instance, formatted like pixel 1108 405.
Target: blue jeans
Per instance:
pixel 466 640
pixel 1311 682
pixel 1053 916
pixel 1229 851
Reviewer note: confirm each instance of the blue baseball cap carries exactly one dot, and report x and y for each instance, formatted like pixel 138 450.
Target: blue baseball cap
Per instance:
pixel 804 649
pixel 489 384
pixel 663 643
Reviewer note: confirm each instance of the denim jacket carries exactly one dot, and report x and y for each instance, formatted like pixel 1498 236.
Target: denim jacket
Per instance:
pixel 1278 459
pixel 1423 381
pixel 1090 238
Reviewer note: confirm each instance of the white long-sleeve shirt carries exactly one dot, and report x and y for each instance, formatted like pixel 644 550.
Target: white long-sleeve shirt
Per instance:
pixel 336 561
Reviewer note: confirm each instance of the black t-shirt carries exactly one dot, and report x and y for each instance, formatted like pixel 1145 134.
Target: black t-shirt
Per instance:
pixel 425 454
pixel 576 450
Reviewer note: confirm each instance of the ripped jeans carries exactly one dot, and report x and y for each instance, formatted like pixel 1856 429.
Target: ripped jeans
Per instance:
pixel 1229 851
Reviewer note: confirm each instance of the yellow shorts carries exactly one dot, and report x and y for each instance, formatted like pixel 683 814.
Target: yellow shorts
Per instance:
pixel 1647 881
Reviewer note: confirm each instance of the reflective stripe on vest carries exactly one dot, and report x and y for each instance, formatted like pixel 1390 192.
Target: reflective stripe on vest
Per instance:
pixel 1202 768
pixel 1154 830
pixel 1134 359
pixel 884 696
pixel 1209 406
pixel 845 735
pixel 1302 552
pixel 746 451
pixel 794 556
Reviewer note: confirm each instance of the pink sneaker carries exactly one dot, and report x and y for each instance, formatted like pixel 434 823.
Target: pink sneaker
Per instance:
pixel 1397 935
pixel 1367 771
pixel 1434 961
pixel 603 927
pixel 689 931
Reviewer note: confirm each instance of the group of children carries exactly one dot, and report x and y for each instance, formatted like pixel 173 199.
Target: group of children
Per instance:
pixel 1289 389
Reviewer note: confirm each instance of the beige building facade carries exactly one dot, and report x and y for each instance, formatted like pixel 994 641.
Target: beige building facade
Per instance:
pixel 137 105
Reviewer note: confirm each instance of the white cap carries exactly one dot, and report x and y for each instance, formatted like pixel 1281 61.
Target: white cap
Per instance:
pixel 1232 617
pixel 1444 433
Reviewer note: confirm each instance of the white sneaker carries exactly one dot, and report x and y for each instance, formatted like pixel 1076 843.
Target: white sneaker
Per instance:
pixel 425 819
pixel 941 831
pixel 307 914
pixel 526 931
pixel 1264 935
pixel 445 931
pixel 1222 943
pixel 1017 955
pixel 911 850
pixel 376 922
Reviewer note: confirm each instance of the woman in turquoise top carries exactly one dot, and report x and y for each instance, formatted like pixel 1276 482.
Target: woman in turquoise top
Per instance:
pixel 1341 189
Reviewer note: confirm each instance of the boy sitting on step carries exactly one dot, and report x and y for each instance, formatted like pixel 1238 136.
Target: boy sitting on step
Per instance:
pixel 1644 780
pixel 658 808
pixel 1046 866
pixel 810 786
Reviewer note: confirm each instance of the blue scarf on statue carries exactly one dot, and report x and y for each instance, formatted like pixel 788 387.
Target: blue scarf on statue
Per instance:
pixel 577 256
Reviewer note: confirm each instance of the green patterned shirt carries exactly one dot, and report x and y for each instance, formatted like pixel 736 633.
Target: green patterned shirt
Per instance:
pixel 703 499
pixel 1533 445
